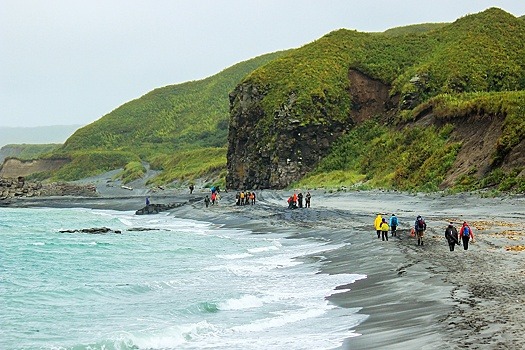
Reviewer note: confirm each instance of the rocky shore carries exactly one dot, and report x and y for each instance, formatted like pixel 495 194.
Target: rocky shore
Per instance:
pixel 19 187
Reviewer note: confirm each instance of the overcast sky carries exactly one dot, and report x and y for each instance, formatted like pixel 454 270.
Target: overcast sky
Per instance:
pixel 68 62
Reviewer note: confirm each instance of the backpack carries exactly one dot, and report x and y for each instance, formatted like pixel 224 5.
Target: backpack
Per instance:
pixel 466 231
pixel 394 221
pixel 421 224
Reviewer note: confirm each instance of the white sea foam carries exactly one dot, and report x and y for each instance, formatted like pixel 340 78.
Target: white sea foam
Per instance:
pixel 280 320
pixel 234 256
pixel 244 302
pixel 263 249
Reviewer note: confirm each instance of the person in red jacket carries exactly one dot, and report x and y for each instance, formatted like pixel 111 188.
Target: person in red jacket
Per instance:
pixel 466 234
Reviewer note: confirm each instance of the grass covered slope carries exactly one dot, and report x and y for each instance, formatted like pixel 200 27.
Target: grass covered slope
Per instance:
pixel 166 121
pixel 474 65
pixel 481 52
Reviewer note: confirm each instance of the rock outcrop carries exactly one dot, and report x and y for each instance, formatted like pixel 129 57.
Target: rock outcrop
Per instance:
pixel 11 188
pixel 274 152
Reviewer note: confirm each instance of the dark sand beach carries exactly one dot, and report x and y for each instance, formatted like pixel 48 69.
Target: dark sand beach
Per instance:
pixel 414 297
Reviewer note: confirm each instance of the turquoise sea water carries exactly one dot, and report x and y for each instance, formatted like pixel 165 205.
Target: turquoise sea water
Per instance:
pixel 183 285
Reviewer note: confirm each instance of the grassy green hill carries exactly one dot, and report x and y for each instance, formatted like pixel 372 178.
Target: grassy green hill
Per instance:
pixel 189 118
pixel 479 54
pixel 414 28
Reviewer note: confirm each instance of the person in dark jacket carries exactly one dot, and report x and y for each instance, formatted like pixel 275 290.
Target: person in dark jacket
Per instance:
pixel 451 234
pixel 300 199
pixel 420 227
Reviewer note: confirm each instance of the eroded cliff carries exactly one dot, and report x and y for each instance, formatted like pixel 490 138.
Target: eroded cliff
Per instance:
pixel 274 151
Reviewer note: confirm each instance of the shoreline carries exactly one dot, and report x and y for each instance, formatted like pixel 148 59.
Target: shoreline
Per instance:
pixel 415 297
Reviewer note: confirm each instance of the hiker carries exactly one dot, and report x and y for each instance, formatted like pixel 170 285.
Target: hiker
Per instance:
pixel 147 201
pixel 307 199
pixel 291 203
pixel 242 194
pixel 213 198
pixel 420 226
pixel 300 199
pixel 384 230
pixel 393 224
pixel 207 201
pixel 465 232
pixel 192 187
pixel 377 224
pixel 451 234
pixel 237 198
pixel 252 198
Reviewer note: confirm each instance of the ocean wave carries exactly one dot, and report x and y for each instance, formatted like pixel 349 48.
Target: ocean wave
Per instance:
pixel 244 302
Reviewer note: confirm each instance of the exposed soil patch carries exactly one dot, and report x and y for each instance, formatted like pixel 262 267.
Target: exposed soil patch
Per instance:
pixel 370 97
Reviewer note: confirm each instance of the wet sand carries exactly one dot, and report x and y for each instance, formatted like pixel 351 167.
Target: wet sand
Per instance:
pixel 414 297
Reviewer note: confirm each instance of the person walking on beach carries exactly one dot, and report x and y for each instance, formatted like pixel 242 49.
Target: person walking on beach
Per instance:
pixel 147 201
pixel 465 232
pixel 451 234
pixel 207 201
pixel 377 224
pixel 192 187
pixel 384 230
pixel 393 224
pixel 242 194
pixel 307 199
pixel 420 227
pixel 300 199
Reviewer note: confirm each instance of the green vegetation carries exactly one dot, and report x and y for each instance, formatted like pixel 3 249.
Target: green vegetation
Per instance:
pixel 410 159
pixel 510 104
pixel 89 163
pixel 162 124
pixel 414 28
pixel 472 65
pixel 480 52
pixel 134 170
pixel 188 166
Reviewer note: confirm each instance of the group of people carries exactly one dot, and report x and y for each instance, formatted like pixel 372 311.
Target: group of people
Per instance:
pixel 382 227
pixel 296 200
pixel 452 236
pixel 214 198
pixel 451 233
pixel 245 198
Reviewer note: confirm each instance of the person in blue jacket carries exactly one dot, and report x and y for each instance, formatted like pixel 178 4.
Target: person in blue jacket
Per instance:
pixel 393 224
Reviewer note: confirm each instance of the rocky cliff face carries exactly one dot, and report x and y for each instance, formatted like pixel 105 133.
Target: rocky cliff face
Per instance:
pixel 274 151
pixel 13 167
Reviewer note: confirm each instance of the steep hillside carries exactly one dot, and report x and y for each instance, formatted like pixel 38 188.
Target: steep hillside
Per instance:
pixel 287 115
pixel 188 117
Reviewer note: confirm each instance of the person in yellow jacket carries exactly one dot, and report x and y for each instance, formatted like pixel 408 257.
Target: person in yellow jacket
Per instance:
pixel 377 224
pixel 384 230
